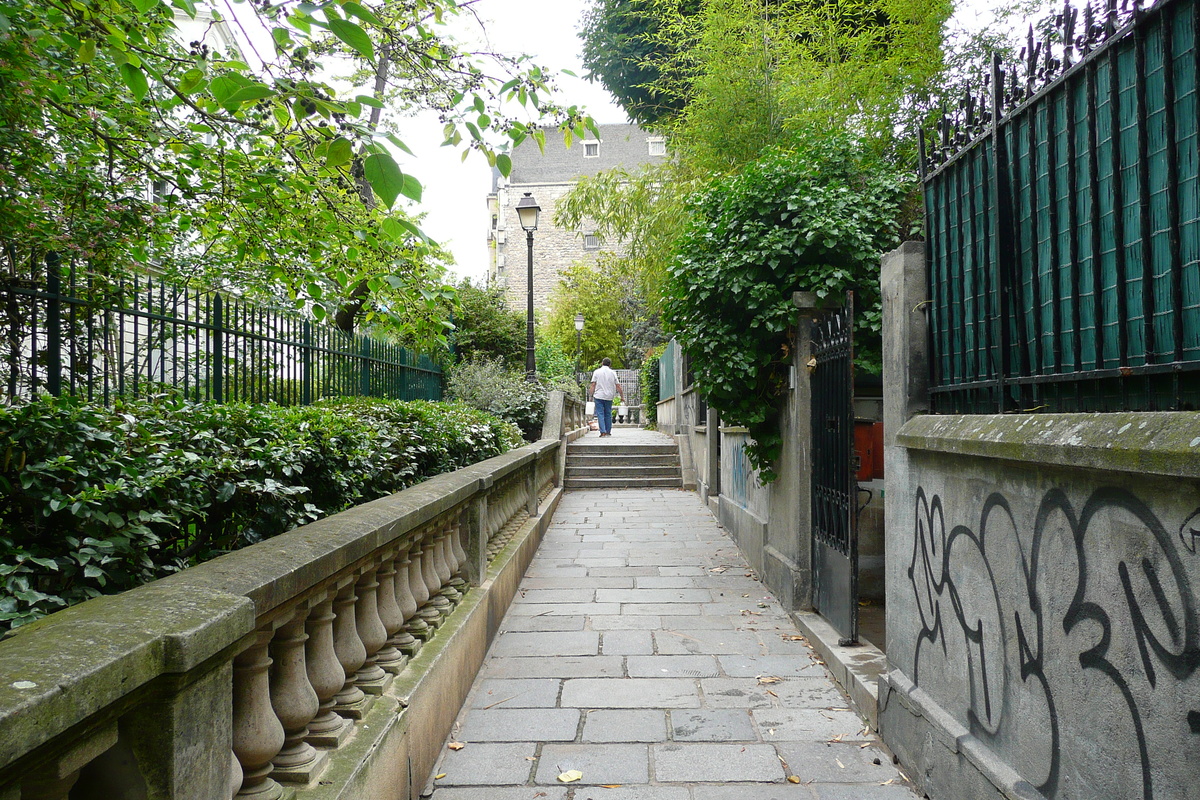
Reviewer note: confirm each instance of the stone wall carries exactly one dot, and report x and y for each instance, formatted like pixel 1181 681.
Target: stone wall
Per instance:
pixel 1043 621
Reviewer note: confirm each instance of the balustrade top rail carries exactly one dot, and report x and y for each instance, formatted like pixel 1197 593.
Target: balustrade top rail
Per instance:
pixel 101 338
pixel 1063 221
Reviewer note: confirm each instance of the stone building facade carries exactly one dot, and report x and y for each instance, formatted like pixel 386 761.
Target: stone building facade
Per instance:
pixel 549 176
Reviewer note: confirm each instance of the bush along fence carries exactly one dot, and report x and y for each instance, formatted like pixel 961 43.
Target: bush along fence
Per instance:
pixel 102 338
pixel 333 658
pixel 1064 222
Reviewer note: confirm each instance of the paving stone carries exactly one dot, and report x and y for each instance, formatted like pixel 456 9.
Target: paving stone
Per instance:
pixel 701 763
pixel 723 725
pixel 659 609
pixel 630 693
pixel 559 643
pixel 487 764
pixel 627 643
pixel 754 791
pixel 621 572
pixel 824 762
pixel 574 583
pixel 869 791
pixel 788 693
pixel 712 642
pixel 500 793
pixel 520 725
pixel 518 622
pixel 517 693
pixel 681 571
pixel 625 726
pixel 597 563
pixel 635 793
pixel 653 596
pixel 578 595
pixel 536 571
pixel 743 666
pixel 608 622
pixel 667 583
pixel 674 622
pixel 549 667
pixel 800 724
pixel 599 763
pixel 671 667
pixel 562 609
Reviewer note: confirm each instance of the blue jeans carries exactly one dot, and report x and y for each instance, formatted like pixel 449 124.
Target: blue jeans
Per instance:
pixel 604 415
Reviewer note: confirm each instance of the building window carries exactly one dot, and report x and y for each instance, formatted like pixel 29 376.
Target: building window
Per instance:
pixel 591 241
pixel 658 146
pixel 591 149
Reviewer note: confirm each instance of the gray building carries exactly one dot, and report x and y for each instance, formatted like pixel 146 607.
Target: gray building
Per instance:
pixel 549 176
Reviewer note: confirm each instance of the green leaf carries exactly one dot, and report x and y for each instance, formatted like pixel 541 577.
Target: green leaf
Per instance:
pixel 340 151
pixel 186 6
pixel 144 5
pixel 354 36
pixel 385 177
pixel 504 164
pixel 223 88
pixel 411 188
pixel 365 14
pixel 135 79
pixel 367 100
pixel 87 51
pixel 250 93
pixel 190 80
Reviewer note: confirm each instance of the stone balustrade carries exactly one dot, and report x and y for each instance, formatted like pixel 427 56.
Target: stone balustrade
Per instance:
pixel 249 676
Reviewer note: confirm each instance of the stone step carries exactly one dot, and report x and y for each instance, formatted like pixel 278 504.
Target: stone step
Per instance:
pixel 623 483
pixel 601 471
pixel 621 460
pixel 609 447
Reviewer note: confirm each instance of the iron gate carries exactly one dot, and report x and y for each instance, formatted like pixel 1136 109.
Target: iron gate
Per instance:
pixel 834 486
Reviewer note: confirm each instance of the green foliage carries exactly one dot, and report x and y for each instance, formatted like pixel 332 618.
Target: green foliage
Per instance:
pixel 96 500
pixel 555 366
pixel 649 381
pixel 598 293
pixel 485 328
pixel 816 219
pixel 490 386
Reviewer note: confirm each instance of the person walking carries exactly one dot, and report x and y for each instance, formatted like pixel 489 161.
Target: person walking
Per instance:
pixel 603 388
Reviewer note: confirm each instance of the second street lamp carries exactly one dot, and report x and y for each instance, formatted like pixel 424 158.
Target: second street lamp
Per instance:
pixel 527 213
pixel 578 345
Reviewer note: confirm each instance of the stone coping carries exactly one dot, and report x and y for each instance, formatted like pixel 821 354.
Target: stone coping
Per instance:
pixel 58 671
pixel 1163 443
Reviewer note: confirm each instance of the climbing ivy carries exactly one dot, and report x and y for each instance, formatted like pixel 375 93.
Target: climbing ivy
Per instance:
pixel 813 218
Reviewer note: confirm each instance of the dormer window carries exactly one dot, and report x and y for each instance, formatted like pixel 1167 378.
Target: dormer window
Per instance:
pixel 658 146
pixel 591 149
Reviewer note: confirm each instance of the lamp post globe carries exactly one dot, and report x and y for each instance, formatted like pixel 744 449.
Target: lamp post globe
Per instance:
pixel 578 342
pixel 527 214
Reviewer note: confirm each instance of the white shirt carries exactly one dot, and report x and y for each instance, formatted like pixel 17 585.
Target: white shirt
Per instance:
pixel 606 383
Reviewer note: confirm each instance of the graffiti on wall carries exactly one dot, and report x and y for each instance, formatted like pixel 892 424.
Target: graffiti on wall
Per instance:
pixel 1066 638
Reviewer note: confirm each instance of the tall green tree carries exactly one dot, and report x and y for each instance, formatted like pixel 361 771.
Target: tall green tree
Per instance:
pixel 597 293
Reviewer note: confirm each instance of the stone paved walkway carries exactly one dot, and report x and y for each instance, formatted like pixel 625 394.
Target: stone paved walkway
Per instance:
pixel 640 652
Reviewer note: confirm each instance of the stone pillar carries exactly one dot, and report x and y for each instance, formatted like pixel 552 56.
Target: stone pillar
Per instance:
pixel 427 618
pixel 406 640
pixel 370 677
pixel 257 733
pixel 806 303
pixel 905 288
pixel 477 538
pixel 295 701
pixel 325 674
pixel 439 602
pixel 351 702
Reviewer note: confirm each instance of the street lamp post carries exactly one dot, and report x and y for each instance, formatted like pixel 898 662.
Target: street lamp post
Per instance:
pixel 527 213
pixel 578 343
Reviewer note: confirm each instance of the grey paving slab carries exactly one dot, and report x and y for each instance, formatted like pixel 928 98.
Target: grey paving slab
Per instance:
pixel 627 643
pixel 860 791
pixel 634 793
pixel 516 693
pixel 520 622
pixel 788 693
pixel 754 791
pixel 602 725
pixel 824 762
pixel 709 725
pixel 562 609
pixel 675 571
pixel 557 643
pixel 500 793
pixel 671 667
pixel 685 762
pixel 555 667
pixel 653 596
pixel 520 725
pixel 745 666
pixel 673 622
pixel 621 572
pixel 577 583
pixel 610 622
pixel 630 693
pixel 487 764
pixel 576 595
pixel 713 642
pixel 674 609
pixel 800 724
pixel 599 763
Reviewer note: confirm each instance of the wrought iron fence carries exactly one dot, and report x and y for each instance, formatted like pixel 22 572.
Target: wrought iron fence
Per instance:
pixel 102 338
pixel 1063 221
pixel 666 370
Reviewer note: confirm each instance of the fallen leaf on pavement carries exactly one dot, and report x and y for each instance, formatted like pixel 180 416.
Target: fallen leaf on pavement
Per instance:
pixel 838 738
pixel 772 693
pixel 793 779
pixel 765 679
pixel 531 758
pixel 791 637
pixel 439 776
pixel 610 786
pixel 456 745
pixel 839 763
pixel 570 775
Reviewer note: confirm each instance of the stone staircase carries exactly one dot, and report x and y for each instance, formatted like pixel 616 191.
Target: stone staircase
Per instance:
pixel 640 462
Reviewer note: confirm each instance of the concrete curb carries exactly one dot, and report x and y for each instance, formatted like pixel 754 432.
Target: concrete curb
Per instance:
pixel 856 669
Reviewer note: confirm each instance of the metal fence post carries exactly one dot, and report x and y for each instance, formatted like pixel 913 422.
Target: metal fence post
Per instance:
pixel 306 364
pixel 217 360
pixel 364 362
pixel 53 325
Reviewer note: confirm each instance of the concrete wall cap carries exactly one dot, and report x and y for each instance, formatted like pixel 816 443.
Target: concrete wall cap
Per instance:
pixel 1155 443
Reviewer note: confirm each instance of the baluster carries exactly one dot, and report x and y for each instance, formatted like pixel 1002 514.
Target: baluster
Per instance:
pixel 370 677
pixel 325 674
pixel 54 780
pixel 257 733
pixel 459 581
pixel 420 589
pixel 437 601
pixel 351 702
pixel 416 630
pixel 389 657
pixel 295 702
pixel 443 569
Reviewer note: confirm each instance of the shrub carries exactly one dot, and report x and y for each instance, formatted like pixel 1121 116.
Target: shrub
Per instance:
pixel 97 500
pixel 486 385
pixel 650 384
